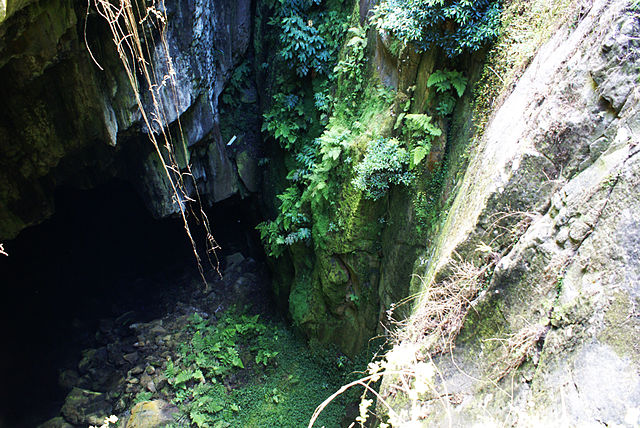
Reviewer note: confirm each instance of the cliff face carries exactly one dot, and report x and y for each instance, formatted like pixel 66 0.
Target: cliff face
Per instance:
pixel 539 233
pixel 542 240
pixel 64 121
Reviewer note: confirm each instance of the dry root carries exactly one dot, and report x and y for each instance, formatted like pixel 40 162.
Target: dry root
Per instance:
pixel 443 308
pixel 518 347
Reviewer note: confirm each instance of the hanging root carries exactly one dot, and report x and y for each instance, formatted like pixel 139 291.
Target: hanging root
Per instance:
pixel 2 251
pixel 133 26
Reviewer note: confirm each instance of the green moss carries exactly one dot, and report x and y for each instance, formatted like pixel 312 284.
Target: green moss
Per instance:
pixel 621 327
pixel 526 25
pixel 283 393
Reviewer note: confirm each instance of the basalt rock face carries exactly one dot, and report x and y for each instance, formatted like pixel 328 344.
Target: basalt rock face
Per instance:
pixel 65 121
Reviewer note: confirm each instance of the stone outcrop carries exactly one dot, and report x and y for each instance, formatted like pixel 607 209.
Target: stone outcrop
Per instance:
pixel 550 193
pixel 66 122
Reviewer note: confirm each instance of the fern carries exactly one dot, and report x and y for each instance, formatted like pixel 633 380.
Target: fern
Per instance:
pixel 421 133
pixel 421 123
pixel 445 80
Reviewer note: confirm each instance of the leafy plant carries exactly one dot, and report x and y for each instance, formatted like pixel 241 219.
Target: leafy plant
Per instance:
pixel 142 396
pixel 265 357
pixel 446 82
pixel 455 26
pixel 351 67
pixel 289 227
pixel 212 353
pixel 331 145
pixel 385 163
pixel 421 132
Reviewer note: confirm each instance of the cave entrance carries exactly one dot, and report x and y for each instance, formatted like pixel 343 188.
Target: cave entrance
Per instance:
pixel 101 256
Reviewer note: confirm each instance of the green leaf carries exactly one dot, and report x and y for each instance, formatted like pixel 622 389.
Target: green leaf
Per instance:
pixel 419 153
pixel 201 420
pixel 422 123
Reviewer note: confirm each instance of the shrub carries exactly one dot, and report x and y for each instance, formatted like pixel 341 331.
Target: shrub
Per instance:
pixel 455 26
pixel 385 163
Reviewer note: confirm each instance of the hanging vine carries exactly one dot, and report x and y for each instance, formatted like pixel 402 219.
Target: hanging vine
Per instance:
pixel 133 26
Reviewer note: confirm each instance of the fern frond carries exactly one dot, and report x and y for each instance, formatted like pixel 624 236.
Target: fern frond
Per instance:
pixel 422 123
pixel 458 81
pixel 440 80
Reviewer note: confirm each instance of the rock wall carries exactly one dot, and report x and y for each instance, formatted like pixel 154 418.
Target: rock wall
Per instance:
pixel 64 121
pixel 546 210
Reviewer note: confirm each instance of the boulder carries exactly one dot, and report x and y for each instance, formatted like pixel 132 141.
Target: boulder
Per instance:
pixel 57 422
pixel 152 414
pixel 84 407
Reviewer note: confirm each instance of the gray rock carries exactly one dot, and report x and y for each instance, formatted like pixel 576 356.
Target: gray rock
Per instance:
pixel 574 272
pixel 69 379
pixel 68 137
pixel 57 422
pixel 248 171
pixel 233 260
pixel 83 407
pixel 152 414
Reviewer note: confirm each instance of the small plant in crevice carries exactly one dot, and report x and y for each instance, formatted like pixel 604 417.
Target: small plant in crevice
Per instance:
pixel 351 69
pixel 385 163
pixel 142 396
pixel 442 308
pixel 517 348
pixel 446 83
pixel 421 132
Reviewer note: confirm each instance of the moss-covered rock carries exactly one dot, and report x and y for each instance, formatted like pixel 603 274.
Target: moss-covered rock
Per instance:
pixel 83 407
pixel 152 414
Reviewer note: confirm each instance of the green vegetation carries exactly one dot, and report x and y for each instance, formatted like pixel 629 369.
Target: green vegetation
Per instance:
pixel 384 163
pixel 454 26
pixel 323 118
pixel 245 372
pixel 445 82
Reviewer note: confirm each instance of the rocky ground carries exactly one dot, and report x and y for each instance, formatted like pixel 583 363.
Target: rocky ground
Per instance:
pixel 127 364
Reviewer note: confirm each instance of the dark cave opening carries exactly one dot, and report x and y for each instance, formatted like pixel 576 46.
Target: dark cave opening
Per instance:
pixel 101 256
